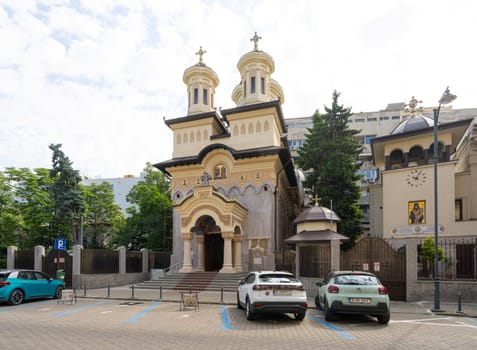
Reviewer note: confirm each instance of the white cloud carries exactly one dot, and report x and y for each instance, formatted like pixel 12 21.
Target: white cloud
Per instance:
pixel 99 76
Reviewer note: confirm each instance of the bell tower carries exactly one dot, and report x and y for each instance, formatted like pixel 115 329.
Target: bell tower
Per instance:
pixel 201 82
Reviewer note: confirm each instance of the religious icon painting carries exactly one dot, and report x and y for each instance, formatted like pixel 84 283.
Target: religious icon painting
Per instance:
pixel 416 212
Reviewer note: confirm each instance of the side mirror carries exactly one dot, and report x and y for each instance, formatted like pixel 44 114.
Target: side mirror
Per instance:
pixel 319 284
pixel 241 282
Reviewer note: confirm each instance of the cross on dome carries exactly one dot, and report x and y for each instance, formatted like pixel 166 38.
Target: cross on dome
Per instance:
pixel 255 40
pixel 201 53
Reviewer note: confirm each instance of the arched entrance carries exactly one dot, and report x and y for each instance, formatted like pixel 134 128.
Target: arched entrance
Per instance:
pixel 213 242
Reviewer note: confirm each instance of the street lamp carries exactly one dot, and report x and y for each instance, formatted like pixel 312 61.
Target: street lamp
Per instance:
pixel 446 98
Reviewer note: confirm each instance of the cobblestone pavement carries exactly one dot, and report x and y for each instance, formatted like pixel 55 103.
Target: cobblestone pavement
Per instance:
pixel 140 320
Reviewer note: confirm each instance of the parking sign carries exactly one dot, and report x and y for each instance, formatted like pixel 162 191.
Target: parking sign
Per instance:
pixel 60 244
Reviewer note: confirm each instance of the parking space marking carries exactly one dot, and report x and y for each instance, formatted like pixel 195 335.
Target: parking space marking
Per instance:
pixel 225 319
pixel 81 308
pixel 344 335
pixel 24 306
pixel 430 322
pixel 471 319
pixel 136 317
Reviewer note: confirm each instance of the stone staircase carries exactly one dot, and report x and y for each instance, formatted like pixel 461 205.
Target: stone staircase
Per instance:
pixel 195 281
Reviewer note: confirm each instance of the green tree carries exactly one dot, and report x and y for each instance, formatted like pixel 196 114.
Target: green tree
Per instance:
pixel 329 158
pixel 33 204
pixel 150 218
pixel 103 218
pixel 66 195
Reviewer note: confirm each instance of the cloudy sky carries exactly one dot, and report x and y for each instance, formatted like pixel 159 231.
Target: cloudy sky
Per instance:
pixel 99 76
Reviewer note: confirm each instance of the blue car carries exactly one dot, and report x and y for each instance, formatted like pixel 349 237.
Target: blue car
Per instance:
pixel 16 286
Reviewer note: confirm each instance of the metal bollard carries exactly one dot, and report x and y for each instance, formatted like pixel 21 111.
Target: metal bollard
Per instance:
pixel 109 291
pixel 84 293
pixel 190 289
pixel 160 292
pixel 459 302
pixel 222 295
pixel 132 292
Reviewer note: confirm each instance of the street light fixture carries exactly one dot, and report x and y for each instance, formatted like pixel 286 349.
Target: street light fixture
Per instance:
pixel 446 98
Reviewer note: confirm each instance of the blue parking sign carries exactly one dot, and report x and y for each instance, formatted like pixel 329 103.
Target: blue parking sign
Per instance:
pixel 60 244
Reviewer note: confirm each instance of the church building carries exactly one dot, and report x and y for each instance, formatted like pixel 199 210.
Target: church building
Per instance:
pixel 234 187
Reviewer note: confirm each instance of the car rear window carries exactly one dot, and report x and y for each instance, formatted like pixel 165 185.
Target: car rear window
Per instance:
pixel 361 280
pixel 277 278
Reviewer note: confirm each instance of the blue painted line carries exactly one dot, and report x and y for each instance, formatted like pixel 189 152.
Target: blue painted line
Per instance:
pixel 142 313
pixel 23 306
pixel 225 319
pixel 343 334
pixel 78 309
pixel 471 319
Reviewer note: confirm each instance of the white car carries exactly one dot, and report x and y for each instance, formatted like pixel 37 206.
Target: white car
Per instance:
pixel 272 292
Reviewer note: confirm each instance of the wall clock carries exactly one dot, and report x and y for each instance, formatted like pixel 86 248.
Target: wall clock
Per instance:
pixel 416 178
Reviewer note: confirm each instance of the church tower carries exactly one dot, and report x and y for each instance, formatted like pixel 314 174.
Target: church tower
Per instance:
pixel 201 82
pixel 233 183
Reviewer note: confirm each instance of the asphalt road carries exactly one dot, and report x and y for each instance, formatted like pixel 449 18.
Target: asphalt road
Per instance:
pixel 146 324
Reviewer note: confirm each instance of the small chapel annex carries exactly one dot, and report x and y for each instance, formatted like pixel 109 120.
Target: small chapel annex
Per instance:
pixel 234 188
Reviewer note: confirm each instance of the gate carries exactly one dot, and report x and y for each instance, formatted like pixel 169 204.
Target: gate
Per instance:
pixel 59 260
pixel 375 255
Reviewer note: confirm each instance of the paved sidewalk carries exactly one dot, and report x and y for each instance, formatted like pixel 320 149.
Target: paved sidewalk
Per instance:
pixel 230 298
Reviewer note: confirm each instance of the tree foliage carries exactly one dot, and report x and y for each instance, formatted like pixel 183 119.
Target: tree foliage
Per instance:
pixel 150 218
pixel 66 195
pixel 102 218
pixel 329 158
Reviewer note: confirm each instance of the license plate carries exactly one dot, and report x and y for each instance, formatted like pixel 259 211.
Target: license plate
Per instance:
pixel 359 300
pixel 280 292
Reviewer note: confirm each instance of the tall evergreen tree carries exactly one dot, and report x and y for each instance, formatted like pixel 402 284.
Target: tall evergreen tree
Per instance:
pixel 66 194
pixel 329 157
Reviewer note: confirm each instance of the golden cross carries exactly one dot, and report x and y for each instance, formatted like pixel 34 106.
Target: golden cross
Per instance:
pixel 412 105
pixel 316 199
pixel 200 53
pixel 255 39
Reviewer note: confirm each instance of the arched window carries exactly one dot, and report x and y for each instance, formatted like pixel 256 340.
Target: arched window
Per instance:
pixel 198 136
pixel 192 138
pixel 220 171
pixel 206 135
pixel 250 128
pixel 415 156
pixel 242 130
pixel 440 153
pixel 266 127
pixel 179 139
pixel 396 159
pixel 258 127
pixel 186 138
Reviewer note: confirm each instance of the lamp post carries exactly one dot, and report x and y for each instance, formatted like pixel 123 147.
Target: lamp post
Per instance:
pixel 446 98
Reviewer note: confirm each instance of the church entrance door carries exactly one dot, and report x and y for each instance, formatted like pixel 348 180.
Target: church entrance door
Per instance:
pixel 213 252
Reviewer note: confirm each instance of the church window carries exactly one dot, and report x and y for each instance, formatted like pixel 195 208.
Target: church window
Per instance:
pixel 262 85
pixel 266 126
pixel 192 138
pixel 196 96
pixel 179 139
pixel 198 136
pixel 440 153
pixel 236 130
pixel 397 159
pixel 250 128
pixel 252 85
pixel 204 96
pixel 416 156
pixel 242 130
pixel 458 209
pixel 258 127
pixel 220 171
pixel 186 139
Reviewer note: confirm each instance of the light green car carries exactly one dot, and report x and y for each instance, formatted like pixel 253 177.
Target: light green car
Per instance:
pixel 353 292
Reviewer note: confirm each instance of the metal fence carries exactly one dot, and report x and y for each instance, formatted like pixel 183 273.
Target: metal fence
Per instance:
pixel 25 259
pixel 133 262
pixel 159 260
pixel 459 262
pixel 97 261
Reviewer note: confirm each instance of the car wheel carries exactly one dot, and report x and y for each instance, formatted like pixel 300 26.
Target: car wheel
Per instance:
pixel 328 314
pixel 299 316
pixel 58 293
pixel 248 311
pixel 16 297
pixel 317 302
pixel 383 319
pixel 239 306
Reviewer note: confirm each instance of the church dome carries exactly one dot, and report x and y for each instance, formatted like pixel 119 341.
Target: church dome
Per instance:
pixel 317 214
pixel 413 123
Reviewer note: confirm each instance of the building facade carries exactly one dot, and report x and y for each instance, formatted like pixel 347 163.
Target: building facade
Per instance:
pixel 234 187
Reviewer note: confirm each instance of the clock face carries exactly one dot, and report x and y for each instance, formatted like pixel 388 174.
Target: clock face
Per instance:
pixel 416 178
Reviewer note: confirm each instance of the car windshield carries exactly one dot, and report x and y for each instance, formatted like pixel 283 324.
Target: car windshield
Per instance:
pixel 274 278
pixel 361 280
